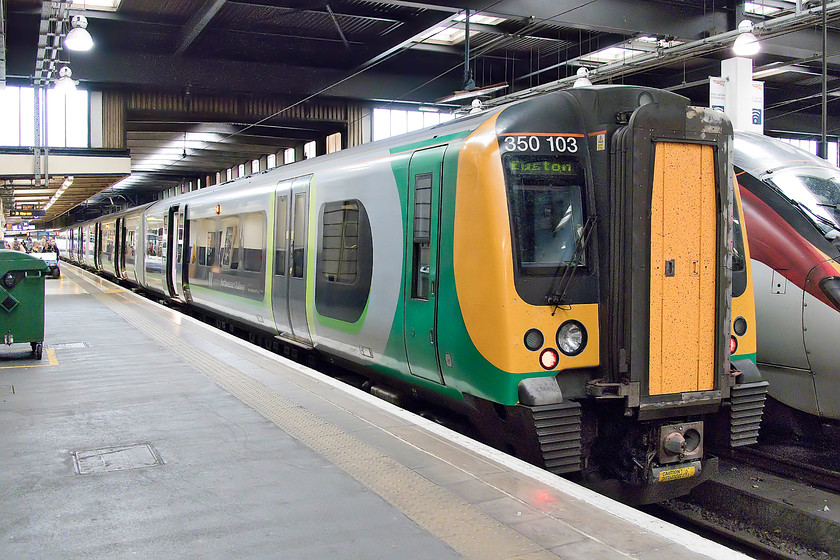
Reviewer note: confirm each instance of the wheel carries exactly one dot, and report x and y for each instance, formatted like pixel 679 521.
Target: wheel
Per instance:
pixel 37 349
pixel 56 273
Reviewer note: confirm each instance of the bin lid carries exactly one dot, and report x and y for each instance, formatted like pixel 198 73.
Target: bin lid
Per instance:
pixel 16 260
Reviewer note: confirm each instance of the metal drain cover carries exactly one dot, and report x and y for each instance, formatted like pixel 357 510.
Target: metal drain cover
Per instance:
pixel 120 458
pixel 69 345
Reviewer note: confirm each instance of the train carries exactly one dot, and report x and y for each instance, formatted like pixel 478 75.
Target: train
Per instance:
pixel 566 272
pixel 791 204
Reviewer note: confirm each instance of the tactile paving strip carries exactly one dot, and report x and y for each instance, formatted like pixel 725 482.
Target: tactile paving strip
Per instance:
pixel 447 517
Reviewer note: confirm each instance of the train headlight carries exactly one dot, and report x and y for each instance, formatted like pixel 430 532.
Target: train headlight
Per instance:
pixel 740 326
pixel 9 280
pixel 571 338
pixel 831 288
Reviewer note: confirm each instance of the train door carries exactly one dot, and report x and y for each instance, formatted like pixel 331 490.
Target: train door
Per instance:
pixel 80 245
pixel 168 252
pixel 119 247
pixel 174 227
pixel 425 171
pixel 818 320
pixel 282 269
pixel 175 260
pixel 184 254
pixel 97 245
pixel 683 269
pixel 299 220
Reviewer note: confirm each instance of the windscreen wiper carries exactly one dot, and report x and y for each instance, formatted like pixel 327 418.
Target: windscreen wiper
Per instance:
pixel 557 294
pixel 821 219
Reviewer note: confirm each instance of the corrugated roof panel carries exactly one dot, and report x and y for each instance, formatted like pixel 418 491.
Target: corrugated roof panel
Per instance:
pixel 268 19
pixel 180 9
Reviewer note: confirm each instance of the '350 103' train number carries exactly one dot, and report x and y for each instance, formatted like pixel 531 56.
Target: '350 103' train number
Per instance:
pixel 533 143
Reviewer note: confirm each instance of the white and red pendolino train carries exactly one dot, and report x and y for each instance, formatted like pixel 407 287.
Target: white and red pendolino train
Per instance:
pixel 792 207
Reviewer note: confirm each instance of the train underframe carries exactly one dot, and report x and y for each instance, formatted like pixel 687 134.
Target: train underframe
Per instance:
pixel 602 443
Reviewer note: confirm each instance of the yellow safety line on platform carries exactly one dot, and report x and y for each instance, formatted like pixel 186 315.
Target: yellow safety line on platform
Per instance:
pixel 53 361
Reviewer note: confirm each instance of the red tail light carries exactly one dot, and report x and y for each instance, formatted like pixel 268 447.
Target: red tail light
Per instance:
pixel 549 358
pixel 733 345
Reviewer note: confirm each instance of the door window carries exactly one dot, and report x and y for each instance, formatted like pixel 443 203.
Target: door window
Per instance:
pixel 282 214
pixel 299 236
pixel 422 236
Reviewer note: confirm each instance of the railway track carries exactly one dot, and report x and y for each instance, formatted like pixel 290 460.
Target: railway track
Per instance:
pixel 766 504
pixel 712 526
pixel 737 535
pixel 773 458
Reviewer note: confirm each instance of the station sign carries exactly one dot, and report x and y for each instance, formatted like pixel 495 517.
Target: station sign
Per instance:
pixel 27 213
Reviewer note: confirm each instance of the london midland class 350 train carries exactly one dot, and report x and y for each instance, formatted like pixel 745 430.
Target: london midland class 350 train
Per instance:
pixel 792 206
pixel 558 270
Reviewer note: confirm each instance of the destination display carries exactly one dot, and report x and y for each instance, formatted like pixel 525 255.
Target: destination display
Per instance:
pixel 542 165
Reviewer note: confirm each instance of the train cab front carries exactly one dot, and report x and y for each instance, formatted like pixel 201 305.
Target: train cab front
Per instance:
pixel 614 300
pixel 668 288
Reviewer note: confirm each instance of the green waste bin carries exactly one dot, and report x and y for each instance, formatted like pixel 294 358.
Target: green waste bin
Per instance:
pixel 22 299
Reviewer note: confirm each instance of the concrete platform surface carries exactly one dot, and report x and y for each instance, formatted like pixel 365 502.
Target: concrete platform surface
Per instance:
pixel 145 433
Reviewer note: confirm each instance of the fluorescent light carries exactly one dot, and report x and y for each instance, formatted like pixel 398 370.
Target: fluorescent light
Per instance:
pixel 480 18
pixel 612 54
pixel 100 5
pixel 469 93
pixel 451 36
pixel 760 9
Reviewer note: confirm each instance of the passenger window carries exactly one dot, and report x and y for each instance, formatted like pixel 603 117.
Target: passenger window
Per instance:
pixel 345 260
pixel 211 248
pixel 230 247
pixel 340 241
pixel 253 241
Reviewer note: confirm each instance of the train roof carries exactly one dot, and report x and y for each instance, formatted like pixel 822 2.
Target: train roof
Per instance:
pixel 758 154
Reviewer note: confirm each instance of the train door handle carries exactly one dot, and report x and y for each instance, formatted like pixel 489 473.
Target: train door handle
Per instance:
pixel 411 331
pixel 432 338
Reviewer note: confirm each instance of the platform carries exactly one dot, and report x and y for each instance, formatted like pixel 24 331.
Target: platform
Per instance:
pixel 145 433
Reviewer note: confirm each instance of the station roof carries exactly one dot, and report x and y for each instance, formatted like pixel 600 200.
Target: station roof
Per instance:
pixel 402 54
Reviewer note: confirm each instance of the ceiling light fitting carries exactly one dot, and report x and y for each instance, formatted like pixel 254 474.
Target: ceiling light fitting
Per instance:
pixel 746 44
pixel 65 83
pixel 582 77
pixel 78 39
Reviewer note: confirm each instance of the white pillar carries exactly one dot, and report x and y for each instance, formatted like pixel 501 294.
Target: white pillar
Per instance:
pixel 744 97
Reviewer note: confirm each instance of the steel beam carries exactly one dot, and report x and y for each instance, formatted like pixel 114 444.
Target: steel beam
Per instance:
pixel 197 23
